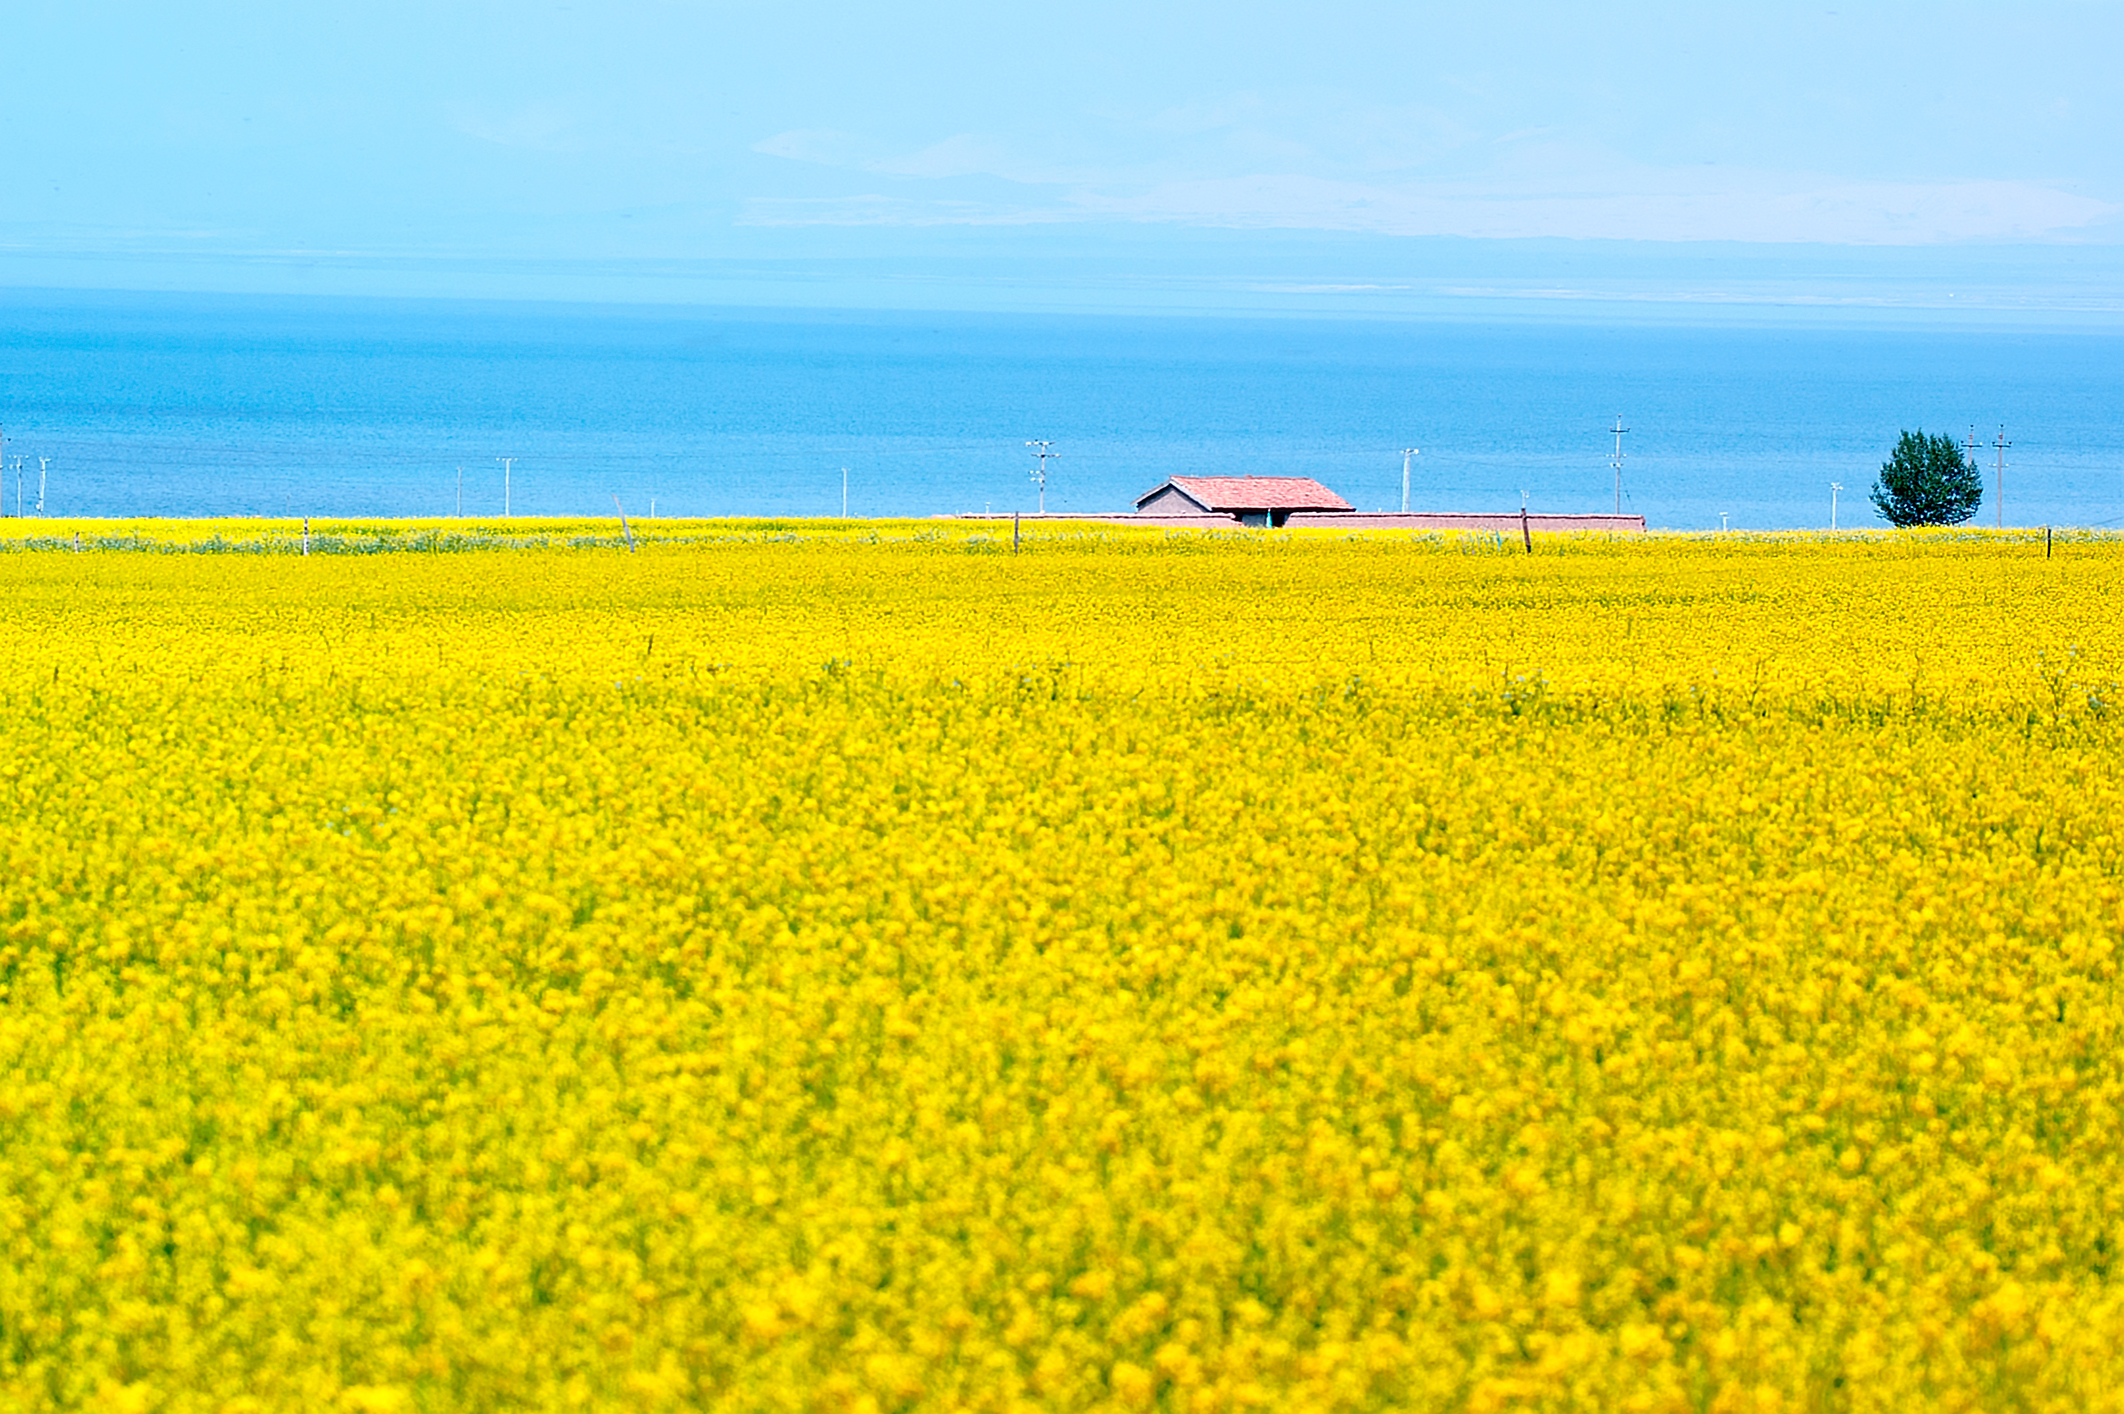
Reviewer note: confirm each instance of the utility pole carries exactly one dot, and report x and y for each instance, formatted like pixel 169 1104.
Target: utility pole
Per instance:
pixel 1618 429
pixel 1040 477
pixel 1834 487
pixel 43 466
pixel 1970 455
pixel 1999 504
pixel 1406 454
pixel 506 462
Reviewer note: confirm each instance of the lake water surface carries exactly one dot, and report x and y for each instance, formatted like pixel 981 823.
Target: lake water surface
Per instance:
pixel 149 404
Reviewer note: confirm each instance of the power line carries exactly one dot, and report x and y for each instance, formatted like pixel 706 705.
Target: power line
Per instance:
pixel 1618 429
pixel 2003 444
pixel 1040 476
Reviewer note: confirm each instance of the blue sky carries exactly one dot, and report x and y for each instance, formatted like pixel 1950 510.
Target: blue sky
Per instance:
pixel 1336 148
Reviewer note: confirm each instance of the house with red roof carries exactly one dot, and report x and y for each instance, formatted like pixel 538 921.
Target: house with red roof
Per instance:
pixel 1250 500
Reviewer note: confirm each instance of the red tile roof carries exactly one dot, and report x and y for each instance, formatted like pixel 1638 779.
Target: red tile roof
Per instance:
pixel 1255 493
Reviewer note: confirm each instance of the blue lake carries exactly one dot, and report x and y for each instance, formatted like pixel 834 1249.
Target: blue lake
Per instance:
pixel 149 404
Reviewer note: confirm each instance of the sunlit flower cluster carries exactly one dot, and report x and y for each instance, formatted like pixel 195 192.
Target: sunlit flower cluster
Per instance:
pixel 1146 971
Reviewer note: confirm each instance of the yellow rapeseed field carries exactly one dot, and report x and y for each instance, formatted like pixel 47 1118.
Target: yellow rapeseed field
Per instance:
pixel 862 968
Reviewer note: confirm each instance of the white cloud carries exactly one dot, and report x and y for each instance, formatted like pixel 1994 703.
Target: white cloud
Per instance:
pixel 964 155
pixel 1658 206
pixel 824 146
pixel 544 127
pixel 1528 189
pixel 1323 133
pixel 961 155
pixel 1321 160
pixel 874 209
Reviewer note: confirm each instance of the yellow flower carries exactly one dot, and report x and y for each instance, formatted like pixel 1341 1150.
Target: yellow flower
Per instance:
pixel 872 970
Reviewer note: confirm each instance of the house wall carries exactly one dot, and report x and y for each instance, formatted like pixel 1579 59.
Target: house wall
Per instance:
pixel 1170 501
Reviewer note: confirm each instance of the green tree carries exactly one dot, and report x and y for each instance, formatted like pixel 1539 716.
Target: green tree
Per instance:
pixel 1927 482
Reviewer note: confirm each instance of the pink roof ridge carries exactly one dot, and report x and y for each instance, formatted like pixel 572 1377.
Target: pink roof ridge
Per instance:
pixel 1255 493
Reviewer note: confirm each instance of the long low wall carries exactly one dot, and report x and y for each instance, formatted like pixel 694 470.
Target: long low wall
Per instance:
pixel 1113 518
pixel 1454 520
pixel 1341 520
